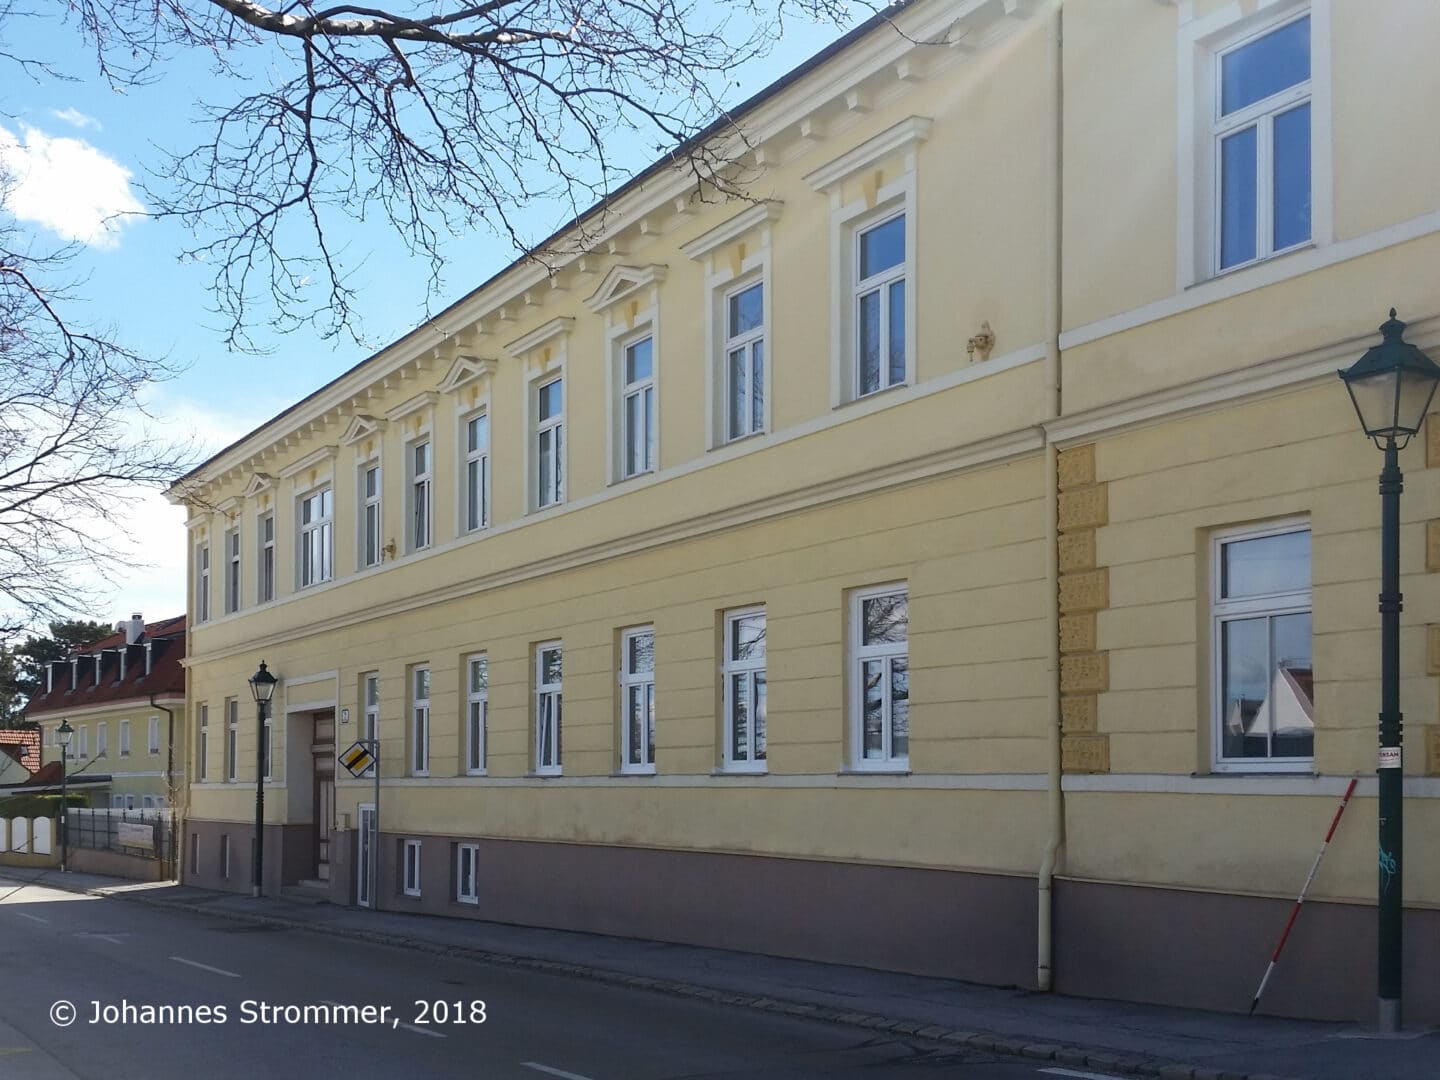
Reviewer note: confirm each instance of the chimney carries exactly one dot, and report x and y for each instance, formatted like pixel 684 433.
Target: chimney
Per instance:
pixel 134 629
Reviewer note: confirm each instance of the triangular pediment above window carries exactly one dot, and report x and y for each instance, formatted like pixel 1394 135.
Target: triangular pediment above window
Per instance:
pixel 467 369
pixel 360 428
pixel 258 482
pixel 623 281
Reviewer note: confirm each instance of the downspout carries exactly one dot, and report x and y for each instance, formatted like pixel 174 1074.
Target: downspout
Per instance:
pixel 169 776
pixel 1055 799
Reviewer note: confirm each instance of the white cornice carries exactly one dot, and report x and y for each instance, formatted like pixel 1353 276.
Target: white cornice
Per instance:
pixel 361 427
pixel 423 400
pixel 762 213
pixel 541 335
pixel 625 281
pixel 116 705
pixel 324 456
pixel 902 138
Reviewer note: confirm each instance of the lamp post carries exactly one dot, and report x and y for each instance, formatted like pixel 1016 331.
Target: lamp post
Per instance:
pixel 64 732
pixel 1391 387
pixel 262 686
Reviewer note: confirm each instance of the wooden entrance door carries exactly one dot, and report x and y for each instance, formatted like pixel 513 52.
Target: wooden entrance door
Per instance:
pixel 322 750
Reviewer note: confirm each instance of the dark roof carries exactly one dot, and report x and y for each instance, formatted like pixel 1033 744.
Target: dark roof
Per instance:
pixel 721 124
pixel 167 674
pixel 49 777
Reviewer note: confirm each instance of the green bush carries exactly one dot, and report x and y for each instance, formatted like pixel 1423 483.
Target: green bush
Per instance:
pixel 38 806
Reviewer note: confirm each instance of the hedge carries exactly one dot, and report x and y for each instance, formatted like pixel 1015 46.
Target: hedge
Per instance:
pixel 40 806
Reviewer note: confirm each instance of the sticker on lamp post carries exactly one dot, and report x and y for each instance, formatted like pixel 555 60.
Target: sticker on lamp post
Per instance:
pixel 1389 757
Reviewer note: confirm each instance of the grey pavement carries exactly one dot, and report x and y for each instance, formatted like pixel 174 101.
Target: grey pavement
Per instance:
pixel 1049 1034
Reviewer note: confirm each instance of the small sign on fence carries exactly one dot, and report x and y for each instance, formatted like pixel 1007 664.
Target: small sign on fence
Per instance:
pixel 133 835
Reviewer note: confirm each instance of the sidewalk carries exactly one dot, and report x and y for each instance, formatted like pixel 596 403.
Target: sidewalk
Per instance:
pixel 1074 1033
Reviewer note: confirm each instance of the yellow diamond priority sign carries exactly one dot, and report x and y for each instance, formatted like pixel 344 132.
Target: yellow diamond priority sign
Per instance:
pixel 357 759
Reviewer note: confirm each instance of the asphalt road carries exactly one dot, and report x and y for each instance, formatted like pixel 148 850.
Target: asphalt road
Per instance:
pixel 110 960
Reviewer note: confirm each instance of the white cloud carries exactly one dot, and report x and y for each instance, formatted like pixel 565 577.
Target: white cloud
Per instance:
pixel 67 185
pixel 75 118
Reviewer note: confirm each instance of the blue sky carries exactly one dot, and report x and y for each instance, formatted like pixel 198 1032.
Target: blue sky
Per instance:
pixel 80 148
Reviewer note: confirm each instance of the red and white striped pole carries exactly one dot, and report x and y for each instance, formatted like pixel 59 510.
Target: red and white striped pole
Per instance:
pixel 1295 911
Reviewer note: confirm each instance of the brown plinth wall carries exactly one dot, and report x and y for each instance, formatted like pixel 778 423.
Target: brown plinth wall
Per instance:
pixel 1208 951
pixel 288 855
pixel 979 927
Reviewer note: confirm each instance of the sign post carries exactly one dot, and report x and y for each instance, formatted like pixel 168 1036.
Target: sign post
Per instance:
pixel 361 755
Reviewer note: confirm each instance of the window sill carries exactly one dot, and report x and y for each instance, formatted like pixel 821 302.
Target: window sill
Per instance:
pixel 543 775
pixel 622 774
pixel 1241 268
pixel 888 769
pixel 873 394
pixel 476 772
pixel 741 770
pixel 1304 768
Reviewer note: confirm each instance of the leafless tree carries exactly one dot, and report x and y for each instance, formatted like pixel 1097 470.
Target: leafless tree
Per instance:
pixel 75 447
pixel 447 119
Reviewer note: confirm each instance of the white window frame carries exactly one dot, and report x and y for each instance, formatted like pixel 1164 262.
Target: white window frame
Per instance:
pixel 370 550
pixel 622 340
pixel 897 194
pixel 467 885
pixel 860 653
pixel 129 802
pixel 410 867
pixel 265 570
pixel 746 341
pixel 232 740
pixel 316 535
pixel 154 733
pixel 632 683
pixel 1201 43
pixel 420 720
pixel 102 739
pixel 147 802
pixel 555 428
pixel 549 712
pixel 202 751
pixel 117 802
pixel 477 714
pixel 370 704
pixel 731 666
pixel 475 505
pixel 232 570
pixel 1222 611
pixel 124 738
pixel 82 741
pixel 202 582
pixel 879 284
pixel 420 494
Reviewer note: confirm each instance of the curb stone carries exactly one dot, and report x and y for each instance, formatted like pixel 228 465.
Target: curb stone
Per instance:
pixel 989 1042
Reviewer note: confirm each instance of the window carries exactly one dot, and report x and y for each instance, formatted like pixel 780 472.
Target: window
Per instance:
pixel 1261 143
pixel 372 707
pixel 880 678
pixel 371 521
pixel 420 722
pixel 232 738
pixel 637 407
pixel 550 443
pixel 744 692
pixel 317 537
pixel 202 583
pixel 232 571
pixel 129 802
pixel 82 741
pixel 147 802
pixel 102 739
pixel 117 802
pixel 476 499
pixel 745 361
pixel 421 511
pixel 225 855
pixel 154 735
pixel 265 579
pixel 124 738
pixel 410 868
pixel 547 708
pixel 637 700
pixel 202 749
pixel 1264 679
pixel 477 700
pixel 467 884
pixel 880 272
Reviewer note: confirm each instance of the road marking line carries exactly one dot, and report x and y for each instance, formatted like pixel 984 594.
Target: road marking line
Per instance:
pixel 1080 1075
pixel 205 967
pixel 423 1031
pixel 553 1072
pixel 32 918
pixel 111 939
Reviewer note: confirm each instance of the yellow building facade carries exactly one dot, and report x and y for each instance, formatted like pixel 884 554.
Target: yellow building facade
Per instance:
pixel 956 557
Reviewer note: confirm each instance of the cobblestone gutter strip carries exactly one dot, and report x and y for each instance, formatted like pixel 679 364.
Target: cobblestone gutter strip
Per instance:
pixel 990 1042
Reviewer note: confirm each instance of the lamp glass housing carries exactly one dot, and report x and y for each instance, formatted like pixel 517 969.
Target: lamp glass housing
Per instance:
pixel 1391 386
pixel 262 685
pixel 64 732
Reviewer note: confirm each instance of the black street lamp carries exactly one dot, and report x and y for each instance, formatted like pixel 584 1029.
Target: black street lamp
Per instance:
pixel 64 732
pixel 1391 387
pixel 262 686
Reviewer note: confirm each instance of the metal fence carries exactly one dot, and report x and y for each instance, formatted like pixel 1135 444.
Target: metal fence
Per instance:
pixel 148 833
